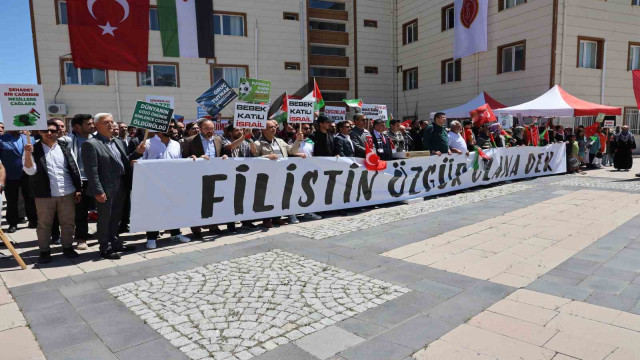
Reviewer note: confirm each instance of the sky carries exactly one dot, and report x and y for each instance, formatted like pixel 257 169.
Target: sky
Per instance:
pixel 17 62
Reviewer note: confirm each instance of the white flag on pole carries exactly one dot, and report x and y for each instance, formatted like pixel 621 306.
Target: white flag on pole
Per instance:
pixel 470 27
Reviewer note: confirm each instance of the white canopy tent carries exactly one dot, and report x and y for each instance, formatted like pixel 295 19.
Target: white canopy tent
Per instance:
pixel 463 110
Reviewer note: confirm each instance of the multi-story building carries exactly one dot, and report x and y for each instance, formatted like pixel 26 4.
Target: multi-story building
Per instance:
pixel 393 52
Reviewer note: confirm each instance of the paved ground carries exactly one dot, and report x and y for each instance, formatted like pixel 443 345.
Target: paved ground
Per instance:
pixel 540 269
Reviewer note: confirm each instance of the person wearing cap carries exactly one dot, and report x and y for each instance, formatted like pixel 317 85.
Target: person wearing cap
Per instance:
pixel 359 134
pixel 381 141
pixel 435 137
pixel 323 141
pixel 161 147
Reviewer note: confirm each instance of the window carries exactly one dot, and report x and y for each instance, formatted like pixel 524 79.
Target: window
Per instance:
pixel 448 17
pixel 326 50
pixel 328 72
pixel 61 12
pixel 290 16
pixel 634 56
pixel 160 74
pixel 632 119
pixel 329 26
pixel 371 70
pixel 292 66
pixel 226 23
pixel 511 57
pixel 508 4
pixel 327 5
pixel 590 51
pixel 635 2
pixel 410 79
pixel 370 23
pixel 230 73
pixel 153 18
pixel 74 76
pixel 450 71
pixel 410 32
pixel 333 96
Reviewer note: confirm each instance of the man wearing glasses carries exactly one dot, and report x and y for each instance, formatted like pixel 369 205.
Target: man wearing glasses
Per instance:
pixel 58 193
pixel 343 144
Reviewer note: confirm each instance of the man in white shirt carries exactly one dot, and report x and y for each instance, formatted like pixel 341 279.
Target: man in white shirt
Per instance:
pixel 161 147
pixel 457 144
pixel 56 185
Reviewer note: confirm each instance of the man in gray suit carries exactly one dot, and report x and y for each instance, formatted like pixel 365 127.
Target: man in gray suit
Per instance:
pixel 106 164
pixel 359 134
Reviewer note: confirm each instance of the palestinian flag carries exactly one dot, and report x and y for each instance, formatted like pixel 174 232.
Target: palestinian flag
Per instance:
pixel 545 135
pixel 186 28
pixel 353 102
pixel 281 115
pixel 315 94
pixel 479 154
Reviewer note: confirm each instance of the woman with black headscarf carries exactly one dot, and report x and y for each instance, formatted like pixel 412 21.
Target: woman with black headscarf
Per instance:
pixel 623 146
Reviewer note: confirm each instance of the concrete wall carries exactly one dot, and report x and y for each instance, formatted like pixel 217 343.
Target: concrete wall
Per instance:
pixel 531 21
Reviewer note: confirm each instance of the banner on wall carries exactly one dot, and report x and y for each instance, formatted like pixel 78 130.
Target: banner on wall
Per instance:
pixel 220 191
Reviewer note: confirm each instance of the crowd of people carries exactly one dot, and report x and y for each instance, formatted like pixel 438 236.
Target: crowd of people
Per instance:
pixel 67 179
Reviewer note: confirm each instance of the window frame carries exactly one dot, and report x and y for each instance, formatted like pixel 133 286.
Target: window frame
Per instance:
pixel 632 44
pixel 371 23
pixel 405 27
pixel 231 13
pixel 599 51
pixel 404 79
pixel 292 63
pixel 151 63
pixel 346 75
pixel 445 17
pixel 457 71
pixel 635 2
pixel 326 46
pixel 502 5
pixel 57 12
pixel 292 14
pixel 373 70
pixel 63 78
pixel 213 66
pixel 346 29
pixel 153 7
pixel 500 70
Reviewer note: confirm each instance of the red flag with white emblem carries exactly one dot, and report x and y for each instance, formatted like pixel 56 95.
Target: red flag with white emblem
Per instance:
pixel 109 34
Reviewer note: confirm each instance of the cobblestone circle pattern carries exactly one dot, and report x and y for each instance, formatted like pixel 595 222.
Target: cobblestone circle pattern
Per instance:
pixel 242 308
pixel 368 220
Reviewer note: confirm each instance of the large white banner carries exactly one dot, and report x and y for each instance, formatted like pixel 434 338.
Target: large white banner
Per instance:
pixel 470 30
pixel 220 191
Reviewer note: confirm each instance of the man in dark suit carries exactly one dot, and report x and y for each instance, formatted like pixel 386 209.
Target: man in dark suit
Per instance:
pixel 106 165
pixel 381 141
pixel 322 139
pixel 204 145
pixel 343 144
pixel 359 134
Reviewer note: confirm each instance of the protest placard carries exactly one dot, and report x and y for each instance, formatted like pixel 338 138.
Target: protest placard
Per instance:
pixel 151 117
pixel 609 123
pixel 250 116
pixel 23 107
pixel 254 90
pixel 600 117
pixel 505 120
pixel 166 101
pixel 216 97
pixel 375 111
pixel 335 113
pixel 300 111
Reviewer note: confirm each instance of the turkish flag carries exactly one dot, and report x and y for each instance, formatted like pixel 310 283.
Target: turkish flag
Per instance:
pixel 109 34
pixel 636 86
pixel 483 115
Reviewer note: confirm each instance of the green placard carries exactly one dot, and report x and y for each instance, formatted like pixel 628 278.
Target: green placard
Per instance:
pixel 254 90
pixel 151 117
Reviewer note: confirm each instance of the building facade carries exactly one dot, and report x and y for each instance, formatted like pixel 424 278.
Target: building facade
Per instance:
pixel 393 52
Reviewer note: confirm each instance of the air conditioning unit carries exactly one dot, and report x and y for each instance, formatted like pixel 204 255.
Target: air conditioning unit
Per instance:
pixel 57 109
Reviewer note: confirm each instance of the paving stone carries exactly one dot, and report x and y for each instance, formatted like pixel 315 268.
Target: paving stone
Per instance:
pixel 364 329
pixel 570 292
pixel 580 266
pixel 19 343
pixel 435 288
pixel 612 301
pixel 94 350
pixel 89 298
pixel 623 263
pixel 377 349
pixel 328 342
pixel 286 352
pixel 599 284
pixel 615 274
pixel 417 332
pixel 53 337
pixel 155 349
